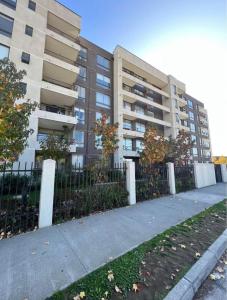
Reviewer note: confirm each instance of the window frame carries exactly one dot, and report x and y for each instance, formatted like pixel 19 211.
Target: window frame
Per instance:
pixel 9 3
pixel 79 144
pixel 103 84
pixel 32 5
pixel 125 147
pixel 101 65
pixel 25 58
pixel 4 46
pixel 103 104
pixel 80 121
pixel 81 98
pixel 4 32
pixel 27 28
pixel 84 78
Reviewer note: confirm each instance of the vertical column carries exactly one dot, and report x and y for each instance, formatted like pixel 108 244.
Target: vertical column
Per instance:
pixel 47 193
pixel 171 178
pixel 196 175
pixel 131 182
pixel 224 173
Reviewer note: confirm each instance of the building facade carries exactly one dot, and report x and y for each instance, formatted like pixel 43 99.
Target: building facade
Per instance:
pixel 199 128
pixel 75 81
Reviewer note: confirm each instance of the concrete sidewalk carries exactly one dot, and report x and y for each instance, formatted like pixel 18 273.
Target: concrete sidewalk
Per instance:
pixel 35 265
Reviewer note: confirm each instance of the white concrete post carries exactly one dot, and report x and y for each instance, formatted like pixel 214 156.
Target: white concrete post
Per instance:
pixel 224 173
pixel 196 174
pixel 131 182
pixel 47 193
pixel 171 178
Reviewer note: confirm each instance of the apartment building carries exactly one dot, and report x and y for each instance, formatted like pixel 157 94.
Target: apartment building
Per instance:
pixel 199 128
pixel 144 96
pixel 75 81
pixel 95 96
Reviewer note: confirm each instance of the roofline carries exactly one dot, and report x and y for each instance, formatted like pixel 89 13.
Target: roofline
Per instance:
pixel 68 8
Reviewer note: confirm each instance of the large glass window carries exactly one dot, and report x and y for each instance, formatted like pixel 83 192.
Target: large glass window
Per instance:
pixel 4 51
pixel 190 104
pixel 103 62
pixel 193 139
pixel 80 115
pixel 140 127
pixel 99 117
pixel 139 145
pixel 102 100
pixel 6 25
pixel 9 3
pixel 103 80
pixel 127 105
pixel 79 139
pixel 195 151
pixel 81 92
pixel 192 127
pixel 127 144
pixel 139 110
pixel 78 161
pixel 127 124
pixel 98 142
pixel 191 115
pixel 83 73
pixel 83 54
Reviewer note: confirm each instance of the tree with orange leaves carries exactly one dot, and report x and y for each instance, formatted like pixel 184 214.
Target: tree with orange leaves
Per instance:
pixel 14 112
pixel 108 136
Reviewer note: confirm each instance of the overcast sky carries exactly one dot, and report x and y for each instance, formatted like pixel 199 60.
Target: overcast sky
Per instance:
pixel 185 38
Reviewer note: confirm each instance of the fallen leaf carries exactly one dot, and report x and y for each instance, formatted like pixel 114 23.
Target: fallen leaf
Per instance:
pixel 220 269
pixel 177 270
pixel 162 249
pixel 135 287
pixel 174 248
pixel 143 262
pixel 182 246
pixel 110 276
pixel 106 293
pixel 168 287
pixel 197 254
pixel 117 289
pixel 82 295
pixel 212 277
pixel 76 297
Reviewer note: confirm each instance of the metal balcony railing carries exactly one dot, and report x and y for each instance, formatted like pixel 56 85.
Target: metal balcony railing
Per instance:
pixel 61 57
pixel 52 28
pixel 60 83
pixel 57 109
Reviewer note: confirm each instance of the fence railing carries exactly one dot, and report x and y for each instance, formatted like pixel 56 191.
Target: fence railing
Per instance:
pixel 81 191
pixel 151 182
pixel 19 199
pixel 184 178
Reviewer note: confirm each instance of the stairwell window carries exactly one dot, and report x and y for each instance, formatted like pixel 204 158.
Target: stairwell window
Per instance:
pixel 83 54
pixel 79 139
pixel 80 115
pixel 192 127
pixel 83 73
pixel 103 81
pixel 81 93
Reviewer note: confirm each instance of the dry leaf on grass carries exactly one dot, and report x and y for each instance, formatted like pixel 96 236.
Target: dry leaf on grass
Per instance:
pixel 110 275
pixel 117 289
pixel 135 287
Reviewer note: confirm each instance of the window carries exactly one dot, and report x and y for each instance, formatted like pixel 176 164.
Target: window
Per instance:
pixel 80 115
pixel 79 139
pixel 77 161
pixel 81 92
pixel 103 80
pixel 177 118
pixel 195 151
pixel 98 142
pixel 102 100
pixel 176 104
pixel 192 127
pixel 127 144
pixel 190 104
pixel 9 3
pixel 23 86
pixel 32 5
pixel 25 58
pixel 174 89
pixel 139 110
pixel 99 117
pixel 83 54
pixel 191 116
pixel 103 62
pixel 193 139
pixel 127 124
pixel 6 25
pixel 83 73
pixel 4 51
pixel 127 105
pixel 139 145
pixel 28 30
pixel 140 127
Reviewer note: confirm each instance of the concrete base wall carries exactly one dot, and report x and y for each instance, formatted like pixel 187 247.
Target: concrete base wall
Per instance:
pixel 224 173
pixel 204 175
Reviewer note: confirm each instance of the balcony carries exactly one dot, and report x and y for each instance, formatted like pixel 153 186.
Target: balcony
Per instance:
pixel 202 110
pixel 130 153
pixel 132 133
pixel 55 118
pixel 133 115
pixel 181 101
pixel 183 114
pixel 204 133
pixel 185 128
pixel 69 29
pixel 131 78
pixel 55 93
pixel 133 95
pixel 57 47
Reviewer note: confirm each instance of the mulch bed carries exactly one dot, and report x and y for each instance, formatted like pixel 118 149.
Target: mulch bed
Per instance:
pixel 164 265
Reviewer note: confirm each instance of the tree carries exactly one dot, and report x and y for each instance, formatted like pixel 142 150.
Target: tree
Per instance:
pixel 14 112
pixel 55 147
pixel 155 147
pixel 178 150
pixel 108 136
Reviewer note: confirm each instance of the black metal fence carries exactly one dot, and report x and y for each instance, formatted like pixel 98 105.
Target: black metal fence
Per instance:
pixel 151 182
pixel 82 191
pixel 19 199
pixel 184 178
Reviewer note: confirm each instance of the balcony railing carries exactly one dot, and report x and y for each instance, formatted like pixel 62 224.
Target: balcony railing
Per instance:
pixel 57 109
pixel 60 83
pixel 43 136
pixel 61 57
pixel 52 28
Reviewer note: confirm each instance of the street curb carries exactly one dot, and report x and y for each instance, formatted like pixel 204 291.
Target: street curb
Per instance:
pixel 187 287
